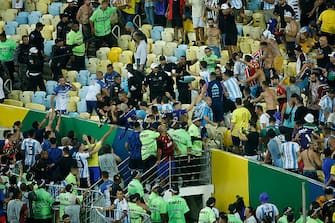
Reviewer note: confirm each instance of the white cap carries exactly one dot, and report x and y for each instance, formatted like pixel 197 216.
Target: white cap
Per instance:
pixel 69 1
pixel 309 118
pixel 153 65
pixel 33 50
pixel 224 6
pixel 288 14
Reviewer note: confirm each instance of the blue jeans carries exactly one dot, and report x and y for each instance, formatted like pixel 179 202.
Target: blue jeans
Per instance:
pixel 128 17
pixel 149 12
pixel 216 50
pixel 91 105
pixel 223 44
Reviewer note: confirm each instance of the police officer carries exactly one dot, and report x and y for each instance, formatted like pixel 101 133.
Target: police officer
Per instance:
pixel 135 80
pixel 63 26
pixel 71 10
pixel 59 58
pixel 35 68
pixel 21 60
pixel 183 88
pixel 157 82
pixel 115 88
pixel 36 39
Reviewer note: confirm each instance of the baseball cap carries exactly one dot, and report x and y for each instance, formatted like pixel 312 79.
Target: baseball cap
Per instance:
pixel 69 1
pixel 264 197
pixel 153 65
pixel 39 24
pixel 332 54
pixel 309 118
pixel 33 50
pixel 174 189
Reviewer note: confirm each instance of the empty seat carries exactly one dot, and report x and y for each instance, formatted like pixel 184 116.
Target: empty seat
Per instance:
pixel 50 86
pixel 168 50
pixel 151 58
pixel 114 54
pixel 82 77
pixel 172 59
pixel 33 19
pixel 13 102
pixel 118 66
pixel 29 5
pixel 21 19
pixel 47 19
pixel 47 102
pixel 73 114
pixel 167 36
pixel 95 118
pixel 102 53
pixel 126 57
pixel 124 41
pixel 36 13
pixel 77 85
pixel 15 94
pixel 54 9
pixel 10 27
pixel 5 4
pixel 9 15
pixel 48 47
pixel 71 76
pixel 84 115
pixel 102 66
pixel 26 96
pixel 34 106
pixel 42 7
pixel 178 52
pixel 156 34
pixel 22 30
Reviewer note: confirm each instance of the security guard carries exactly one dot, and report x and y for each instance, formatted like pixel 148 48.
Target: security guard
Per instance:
pixel 176 207
pixel 59 58
pixel 136 211
pixel 36 39
pixel 135 80
pixel 71 10
pixel 75 39
pixel 157 82
pixel 63 27
pixel 206 215
pixel 35 68
pixel 67 198
pixel 157 204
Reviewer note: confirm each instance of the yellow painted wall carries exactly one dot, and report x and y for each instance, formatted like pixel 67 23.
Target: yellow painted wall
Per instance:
pixel 230 178
pixel 10 114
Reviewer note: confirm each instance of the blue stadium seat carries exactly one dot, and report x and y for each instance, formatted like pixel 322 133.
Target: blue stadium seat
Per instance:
pixel 36 13
pixel 47 102
pixel 124 84
pixel 22 19
pixel 24 14
pixel 40 93
pixel 183 46
pixel 73 114
pixel 33 19
pixel 178 52
pixel 172 59
pixel 10 27
pixel 82 77
pixel 38 99
pixel 50 85
pixel 54 9
pixel 81 106
pixel 239 27
pixel 141 114
pixel 156 34
pixel 48 47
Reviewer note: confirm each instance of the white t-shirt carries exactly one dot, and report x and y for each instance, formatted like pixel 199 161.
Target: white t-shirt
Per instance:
pixel 205 75
pixel 62 96
pixel 31 148
pixel 290 155
pixel 93 90
pixel 237 4
pixel 2 93
pixel 267 209
pixel 82 164
pixel 120 207
pixel 251 219
pixel 197 8
pixel 264 120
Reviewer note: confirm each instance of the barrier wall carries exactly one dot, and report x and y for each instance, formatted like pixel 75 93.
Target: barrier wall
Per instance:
pixel 10 114
pixel 234 175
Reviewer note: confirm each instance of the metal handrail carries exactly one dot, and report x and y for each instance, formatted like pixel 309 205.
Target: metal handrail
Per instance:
pixel 118 29
pixel 102 213
pixel 136 19
pixel 10 83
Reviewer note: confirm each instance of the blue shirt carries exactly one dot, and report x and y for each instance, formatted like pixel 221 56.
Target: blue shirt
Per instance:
pixel 134 145
pixel 2 198
pixel 46 145
pixel 176 114
pixel 54 154
pixel 326 166
pixel 207 111
pixel 109 78
pixel 274 149
pixel 104 186
pixel 214 91
pixel 101 83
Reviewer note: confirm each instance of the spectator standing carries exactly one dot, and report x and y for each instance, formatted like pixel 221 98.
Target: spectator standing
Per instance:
pixel 120 206
pixel 7 50
pixel 249 213
pixel 206 215
pixel 157 82
pixel 149 11
pixel 184 89
pixel 264 118
pixel 176 14
pixel 250 140
pixel 211 59
pixel 288 116
pixel 115 89
pixel 160 9
pixel 266 209
pixel 60 56
pixel 291 30
pixel 135 81
pixel 135 186
pixel 327 163
pixel 75 39
pixel 36 39
pixel 323 52
pixel 31 148
pixel 232 88
pixel 108 161
pixel 64 164
pixel 327 105
pixel 71 10
pixel 215 92
pixel 214 38
pixel 326 19
pixel 312 161
pixel 17 210
pixel 64 26
pixel 198 10
pixel 177 207
pixel 83 15
pixel 91 98
pixel 290 152
pixel 331 70
pixel 100 23
pixel 21 60
pixel 134 145
pixel 280 10
pixel 42 204
pixel 212 10
pixel 157 204
pixel 130 10
pixel 105 186
pixel 61 93
pixel 140 54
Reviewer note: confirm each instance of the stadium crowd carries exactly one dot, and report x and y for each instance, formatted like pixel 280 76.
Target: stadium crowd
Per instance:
pixel 282 117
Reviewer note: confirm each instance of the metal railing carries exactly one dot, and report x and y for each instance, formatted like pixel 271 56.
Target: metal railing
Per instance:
pixel 107 216
pixel 8 85
pixel 137 21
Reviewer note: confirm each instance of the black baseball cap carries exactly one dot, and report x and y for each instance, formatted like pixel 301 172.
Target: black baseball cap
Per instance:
pixel 39 24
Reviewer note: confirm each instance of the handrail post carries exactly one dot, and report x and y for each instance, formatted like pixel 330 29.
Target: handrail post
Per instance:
pixel 170 173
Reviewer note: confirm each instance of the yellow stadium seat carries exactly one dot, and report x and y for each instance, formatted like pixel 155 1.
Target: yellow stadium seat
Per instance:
pixel 45 1
pixel 132 45
pixel 95 118
pixel 245 47
pixel 168 50
pixel 227 140
pixel 16 38
pixel 42 7
pixel 126 57
pixel 102 65
pixel 102 53
pixel 149 45
pixel 29 5
pixel 73 93
pixel 55 21
pixel 151 58
pixel 117 66
pixel 64 6
pixel 77 85
pixel 15 94
pixel 26 96
pixel 71 75
pixel 195 68
pixel 146 28
pixel 224 56
pixel 2 25
pixel 124 41
pixel 71 106
pixel 75 98
pixel 191 53
pixel 35 106
pixel 157 49
pixel 191 36
pixel 256 32
pixel 278 63
pixel 13 102
pixel 167 36
pixel 46 34
pixel 22 30
pixel 247 29
pixel 254 46
pixel 5 4
pixel 91 67
pixel 9 16
pixel 114 53
pixel 258 20
pixel 201 51
pixel 195 83
pixel 84 115
pixel 47 19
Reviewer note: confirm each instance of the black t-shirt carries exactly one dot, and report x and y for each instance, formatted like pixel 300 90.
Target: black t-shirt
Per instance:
pixel 325 60
pixel 300 114
pixel 250 146
pixel 175 9
pixel 328 209
pixel 102 104
pixel 63 166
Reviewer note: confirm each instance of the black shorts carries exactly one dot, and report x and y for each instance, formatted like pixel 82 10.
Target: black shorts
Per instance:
pixel 136 164
pixel 236 140
pixel 177 21
pixel 84 183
